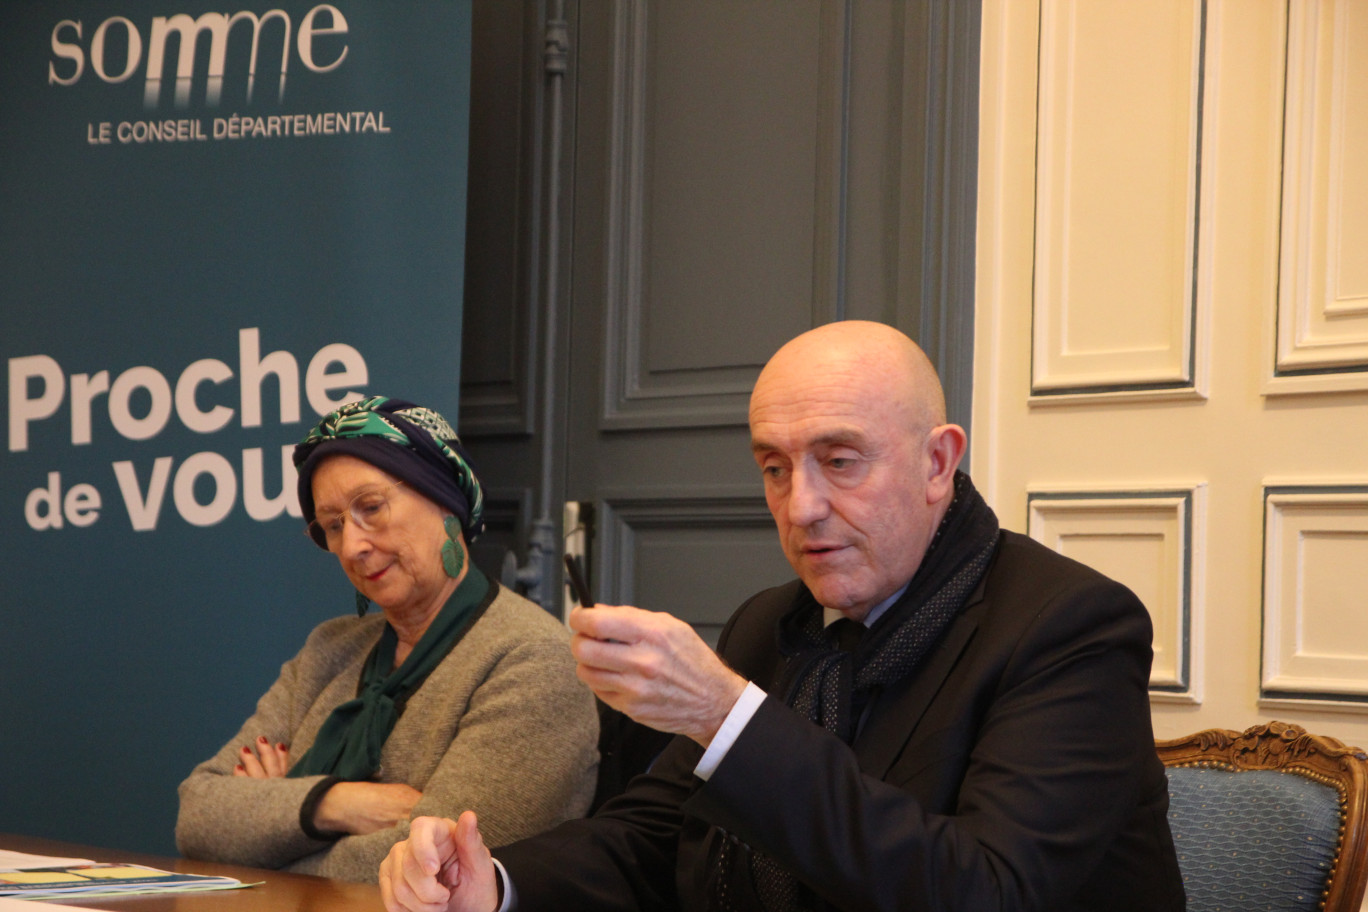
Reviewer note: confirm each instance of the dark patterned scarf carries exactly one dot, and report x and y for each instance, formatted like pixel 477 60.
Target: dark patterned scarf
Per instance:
pixel 827 685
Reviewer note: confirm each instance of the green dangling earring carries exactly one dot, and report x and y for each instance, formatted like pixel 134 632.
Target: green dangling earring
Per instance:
pixel 362 604
pixel 453 557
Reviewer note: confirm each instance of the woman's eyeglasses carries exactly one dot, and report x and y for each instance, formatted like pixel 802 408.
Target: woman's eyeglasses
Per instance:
pixel 370 510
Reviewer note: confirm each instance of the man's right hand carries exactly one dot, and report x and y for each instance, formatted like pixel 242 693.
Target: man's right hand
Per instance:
pixel 442 867
pixel 655 668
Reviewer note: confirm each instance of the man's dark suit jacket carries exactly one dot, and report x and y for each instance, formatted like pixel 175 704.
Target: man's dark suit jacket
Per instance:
pixel 1014 771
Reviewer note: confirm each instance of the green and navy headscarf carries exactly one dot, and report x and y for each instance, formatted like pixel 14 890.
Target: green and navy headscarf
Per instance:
pixel 412 443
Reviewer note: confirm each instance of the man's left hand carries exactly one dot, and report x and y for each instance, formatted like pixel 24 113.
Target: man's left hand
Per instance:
pixel 655 668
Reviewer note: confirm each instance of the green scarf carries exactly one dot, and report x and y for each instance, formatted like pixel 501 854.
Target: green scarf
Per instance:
pixel 349 742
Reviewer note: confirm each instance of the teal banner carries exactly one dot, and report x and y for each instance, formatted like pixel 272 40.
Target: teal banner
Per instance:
pixel 216 223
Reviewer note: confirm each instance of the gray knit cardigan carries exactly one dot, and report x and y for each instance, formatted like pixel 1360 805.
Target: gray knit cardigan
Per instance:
pixel 502 727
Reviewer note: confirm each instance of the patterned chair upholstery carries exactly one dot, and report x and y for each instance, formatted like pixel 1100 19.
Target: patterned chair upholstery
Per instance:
pixel 1272 818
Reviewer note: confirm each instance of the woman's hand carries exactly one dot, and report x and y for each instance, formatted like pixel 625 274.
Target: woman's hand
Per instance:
pixel 348 807
pixel 365 807
pixel 267 762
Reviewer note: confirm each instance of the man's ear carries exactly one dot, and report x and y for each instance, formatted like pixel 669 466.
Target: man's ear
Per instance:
pixel 945 447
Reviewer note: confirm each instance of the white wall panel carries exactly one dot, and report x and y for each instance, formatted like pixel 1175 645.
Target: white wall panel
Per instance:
pixel 1117 192
pixel 1143 539
pixel 1322 318
pixel 1315 588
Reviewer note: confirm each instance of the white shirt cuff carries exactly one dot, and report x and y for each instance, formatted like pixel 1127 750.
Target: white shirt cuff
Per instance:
pixel 726 736
pixel 510 896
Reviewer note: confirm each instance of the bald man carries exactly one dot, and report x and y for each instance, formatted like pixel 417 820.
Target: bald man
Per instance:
pixel 936 715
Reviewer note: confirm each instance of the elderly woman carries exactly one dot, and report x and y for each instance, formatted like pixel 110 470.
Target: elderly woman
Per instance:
pixel 458 694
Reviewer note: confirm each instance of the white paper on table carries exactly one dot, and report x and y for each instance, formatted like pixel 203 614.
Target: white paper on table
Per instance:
pixel 22 861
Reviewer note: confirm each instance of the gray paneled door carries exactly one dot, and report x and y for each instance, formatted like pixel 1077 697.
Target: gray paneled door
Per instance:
pixel 730 174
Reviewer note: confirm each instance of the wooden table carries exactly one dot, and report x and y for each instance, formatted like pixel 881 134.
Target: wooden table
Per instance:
pixel 279 891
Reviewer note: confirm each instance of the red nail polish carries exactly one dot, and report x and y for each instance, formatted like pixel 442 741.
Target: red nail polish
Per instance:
pixel 246 750
pixel 242 768
pixel 280 747
pixel 261 739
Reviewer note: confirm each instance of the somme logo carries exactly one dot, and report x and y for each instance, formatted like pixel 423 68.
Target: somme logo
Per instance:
pixel 71 53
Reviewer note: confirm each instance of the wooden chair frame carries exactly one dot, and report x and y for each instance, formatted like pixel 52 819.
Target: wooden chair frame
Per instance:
pixel 1287 747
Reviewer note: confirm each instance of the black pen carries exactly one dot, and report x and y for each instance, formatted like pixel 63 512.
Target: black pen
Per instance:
pixel 572 565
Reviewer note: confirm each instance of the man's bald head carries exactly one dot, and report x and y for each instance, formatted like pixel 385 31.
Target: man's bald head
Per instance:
pixel 881 359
